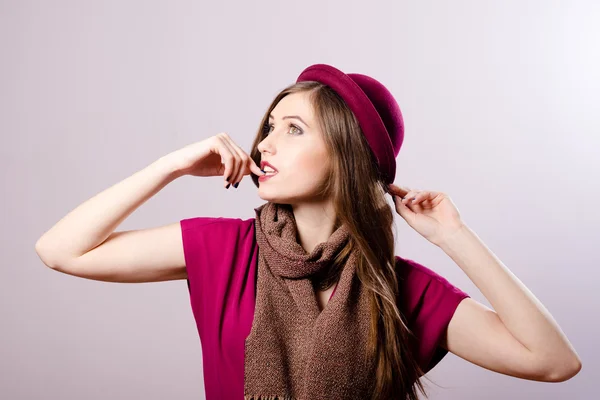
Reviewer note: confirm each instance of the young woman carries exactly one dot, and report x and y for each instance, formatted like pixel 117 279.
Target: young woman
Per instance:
pixel 308 299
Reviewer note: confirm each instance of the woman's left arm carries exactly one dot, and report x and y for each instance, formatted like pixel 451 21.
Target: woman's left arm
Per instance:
pixel 519 337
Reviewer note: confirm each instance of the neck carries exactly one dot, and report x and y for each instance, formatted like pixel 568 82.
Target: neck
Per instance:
pixel 315 223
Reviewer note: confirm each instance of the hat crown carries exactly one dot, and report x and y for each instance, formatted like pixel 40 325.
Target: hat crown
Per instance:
pixel 375 108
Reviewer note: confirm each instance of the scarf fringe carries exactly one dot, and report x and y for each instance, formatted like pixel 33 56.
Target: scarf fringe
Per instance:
pixel 271 397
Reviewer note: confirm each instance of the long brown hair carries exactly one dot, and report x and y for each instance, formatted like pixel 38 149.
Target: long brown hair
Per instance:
pixel 358 194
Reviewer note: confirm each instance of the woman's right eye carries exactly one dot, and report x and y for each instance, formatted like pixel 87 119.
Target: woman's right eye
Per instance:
pixel 267 128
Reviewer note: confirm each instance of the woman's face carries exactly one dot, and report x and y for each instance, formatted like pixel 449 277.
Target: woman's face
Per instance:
pixel 294 146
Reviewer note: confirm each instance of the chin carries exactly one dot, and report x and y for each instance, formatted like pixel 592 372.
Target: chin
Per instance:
pixel 274 195
pixel 272 199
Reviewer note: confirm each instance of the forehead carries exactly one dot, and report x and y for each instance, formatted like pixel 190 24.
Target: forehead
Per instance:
pixel 294 104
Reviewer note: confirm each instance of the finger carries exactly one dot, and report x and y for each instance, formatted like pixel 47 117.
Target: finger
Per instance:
pixel 241 160
pixel 248 165
pixel 417 208
pixel 237 165
pixel 252 167
pixel 228 155
pixel 410 195
pixel 427 199
pixel 398 190
pixel 419 197
pixel 402 208
pixel 426 203
pixel 414 201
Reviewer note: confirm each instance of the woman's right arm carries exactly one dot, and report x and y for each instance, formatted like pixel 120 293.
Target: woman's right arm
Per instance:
pixel 84 244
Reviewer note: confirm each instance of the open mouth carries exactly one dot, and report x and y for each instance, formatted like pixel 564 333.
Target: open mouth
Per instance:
pixel 268 175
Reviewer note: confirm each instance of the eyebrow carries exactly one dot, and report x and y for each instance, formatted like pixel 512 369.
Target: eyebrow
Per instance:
pixel 290 116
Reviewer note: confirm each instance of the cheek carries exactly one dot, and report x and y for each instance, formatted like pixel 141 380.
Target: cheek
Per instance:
pixel 309 165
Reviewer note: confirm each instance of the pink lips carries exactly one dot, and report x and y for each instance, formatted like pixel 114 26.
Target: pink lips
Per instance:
pixel 265 177
pixel 265 163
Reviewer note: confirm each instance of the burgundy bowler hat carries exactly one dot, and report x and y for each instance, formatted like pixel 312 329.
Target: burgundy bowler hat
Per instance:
pixel 375 108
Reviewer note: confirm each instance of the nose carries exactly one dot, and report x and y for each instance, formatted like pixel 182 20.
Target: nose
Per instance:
pixel 266 144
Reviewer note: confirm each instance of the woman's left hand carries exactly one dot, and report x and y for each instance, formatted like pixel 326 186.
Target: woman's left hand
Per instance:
pixel 432 214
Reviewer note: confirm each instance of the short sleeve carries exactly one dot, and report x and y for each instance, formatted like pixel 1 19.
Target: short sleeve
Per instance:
pixel 209 242
pixel 198 241
pixel 428 301
pixel 219 255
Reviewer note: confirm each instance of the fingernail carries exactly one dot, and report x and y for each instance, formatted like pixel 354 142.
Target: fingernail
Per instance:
pixel 227 187
pixel 228 178
pixel 236 185
pixel 262 171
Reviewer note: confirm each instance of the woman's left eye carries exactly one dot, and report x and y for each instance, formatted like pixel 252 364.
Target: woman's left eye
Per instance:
pixel 299 131
pixel 267 129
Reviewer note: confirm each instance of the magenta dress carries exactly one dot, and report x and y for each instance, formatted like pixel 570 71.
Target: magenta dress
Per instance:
pixel 221 262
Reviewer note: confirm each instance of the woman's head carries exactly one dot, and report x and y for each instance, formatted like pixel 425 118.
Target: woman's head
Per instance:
pixel 311 137
pixel 292 141
pixel 323 156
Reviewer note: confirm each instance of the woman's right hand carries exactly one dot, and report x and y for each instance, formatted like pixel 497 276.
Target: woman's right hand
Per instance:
pixel 215 156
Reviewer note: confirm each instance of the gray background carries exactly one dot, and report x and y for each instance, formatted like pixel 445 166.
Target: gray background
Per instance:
pixel 500 101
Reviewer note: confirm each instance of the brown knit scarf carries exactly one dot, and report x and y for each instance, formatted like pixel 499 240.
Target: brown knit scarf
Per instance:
pixel 294 351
